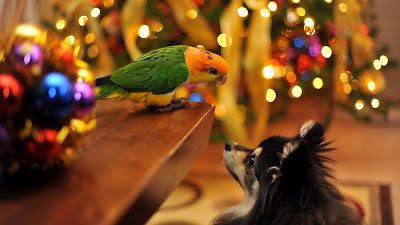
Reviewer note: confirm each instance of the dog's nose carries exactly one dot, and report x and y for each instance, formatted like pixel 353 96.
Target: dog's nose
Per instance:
pixel 229 146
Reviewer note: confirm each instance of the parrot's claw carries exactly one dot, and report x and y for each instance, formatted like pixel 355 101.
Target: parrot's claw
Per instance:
pixel 175 104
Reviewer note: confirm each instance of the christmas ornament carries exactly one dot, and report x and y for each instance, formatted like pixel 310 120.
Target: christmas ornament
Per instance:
pixel 44 90
pixel 84 98
pixel 54 97
pixel 11 92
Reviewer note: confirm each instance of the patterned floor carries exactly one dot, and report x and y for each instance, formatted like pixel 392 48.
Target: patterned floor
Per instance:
pixel 200 198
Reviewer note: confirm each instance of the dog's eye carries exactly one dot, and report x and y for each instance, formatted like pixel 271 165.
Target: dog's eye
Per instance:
pixel 250 161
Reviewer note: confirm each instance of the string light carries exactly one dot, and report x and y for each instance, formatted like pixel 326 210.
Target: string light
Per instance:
pixel 371 86
pixel 242 12
pixel 61 24
pixel 270 95
pixel 191 14
pixel 318 83
pixel 375 103
pixel 297 91
pixel 328 1
pixel 27 30
pixel 95 12
pixel 291 77
pixel 265 13
pixel 326 52
pixel 108 3
pixel 343 7
pixel 377 64
pixel 224 40
pixel 359 104
pixel 268 72
pixel 300 11
pixel 384 60
pixel 347 88
pixel 272 6
pixel 144 31
pixel 344 78
pixel 295 1
pixel 82 20
pixel 89 38
pixel 70 40
pixel 309 22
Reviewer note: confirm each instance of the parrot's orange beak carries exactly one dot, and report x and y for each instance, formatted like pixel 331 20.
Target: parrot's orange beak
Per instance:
pixel 221 80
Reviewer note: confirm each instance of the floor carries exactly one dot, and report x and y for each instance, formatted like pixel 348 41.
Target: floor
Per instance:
pixel 367 154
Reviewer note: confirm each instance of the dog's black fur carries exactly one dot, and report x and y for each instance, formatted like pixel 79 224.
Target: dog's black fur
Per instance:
pixel 292 187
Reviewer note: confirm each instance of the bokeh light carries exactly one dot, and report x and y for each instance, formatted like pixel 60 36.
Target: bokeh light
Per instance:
pixel 270 95
pixel 82 20
pixel 371 86
pixel 95 12
pixel 377 64
pixel 191 14
pixel 268 72
pixel 144 31
pixel 224 40
pixel 326 52
pixel 265 13
pixel 61 24
pixel 297 91
pixel 70 39
pixel 318 83
pixel 359 104
pixel 384 60
pixel 272 6
pixel 242 12
pixel 375 103
pixel 300 11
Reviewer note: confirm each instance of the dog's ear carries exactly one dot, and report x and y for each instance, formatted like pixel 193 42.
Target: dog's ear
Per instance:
pixel 312 132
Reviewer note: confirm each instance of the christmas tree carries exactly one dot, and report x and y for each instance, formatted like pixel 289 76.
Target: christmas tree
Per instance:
pixel 278 51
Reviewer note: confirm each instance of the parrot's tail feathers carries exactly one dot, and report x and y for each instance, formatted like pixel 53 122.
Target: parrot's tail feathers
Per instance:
pixel 103 80
pixel 112 91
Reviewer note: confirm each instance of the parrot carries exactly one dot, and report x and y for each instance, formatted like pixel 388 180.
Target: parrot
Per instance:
pixel 155 76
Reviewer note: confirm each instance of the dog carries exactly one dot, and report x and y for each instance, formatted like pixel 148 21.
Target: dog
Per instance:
pixel 286 182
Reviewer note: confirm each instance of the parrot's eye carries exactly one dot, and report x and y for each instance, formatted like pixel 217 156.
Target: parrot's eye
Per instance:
pixel 213 71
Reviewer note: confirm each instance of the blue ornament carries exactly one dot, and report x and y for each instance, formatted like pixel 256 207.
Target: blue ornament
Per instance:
pixel 84 98
pixel 54 97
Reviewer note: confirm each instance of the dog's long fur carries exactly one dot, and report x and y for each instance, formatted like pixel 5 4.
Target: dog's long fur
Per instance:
pixel 287 183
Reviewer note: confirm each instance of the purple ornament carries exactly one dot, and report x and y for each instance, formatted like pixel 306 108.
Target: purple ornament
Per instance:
pixel 84 98
pixel 25 56
pixel 5 146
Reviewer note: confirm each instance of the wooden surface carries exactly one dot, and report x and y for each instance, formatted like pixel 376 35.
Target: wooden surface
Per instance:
pixel 133 161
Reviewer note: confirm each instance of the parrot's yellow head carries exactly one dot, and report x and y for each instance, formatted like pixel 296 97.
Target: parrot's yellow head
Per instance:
pixel 205 66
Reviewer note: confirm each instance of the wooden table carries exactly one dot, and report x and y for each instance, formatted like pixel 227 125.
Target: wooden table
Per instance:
pixel 133 161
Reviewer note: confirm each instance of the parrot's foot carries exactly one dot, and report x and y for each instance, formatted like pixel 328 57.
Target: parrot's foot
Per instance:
pixel 175 104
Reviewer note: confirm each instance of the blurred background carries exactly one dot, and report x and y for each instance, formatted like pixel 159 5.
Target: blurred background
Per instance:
pixel 334 61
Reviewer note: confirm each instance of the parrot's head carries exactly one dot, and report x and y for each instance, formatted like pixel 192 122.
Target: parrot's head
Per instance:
pixel 205 66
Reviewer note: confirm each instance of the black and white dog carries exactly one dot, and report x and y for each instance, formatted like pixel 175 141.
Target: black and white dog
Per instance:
pixel 285 182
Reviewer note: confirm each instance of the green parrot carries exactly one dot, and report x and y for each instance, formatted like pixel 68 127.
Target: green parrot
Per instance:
pixel 155 76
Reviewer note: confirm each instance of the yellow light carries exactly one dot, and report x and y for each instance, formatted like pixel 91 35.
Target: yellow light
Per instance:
pixel 344 77
pixel 318 83
pixel 265 13
pixel 220 110
pixel 224 40
pixel 108 3
pixel 301 11
pixel 70 40
pixel 82 20
pixel 375 103
pixel 343 7
pixel 27 30
pixel 85 75
pixel 359 104
pixel 377 64
pixel 242 12
pixel 295 1
pixel 268 72
pixel 309 22
pixel 95 12
pixel 297 91
pixel 89 38
pixel 328 1
pixel 371 86
pixel 61 24
pixel 272 6
pixel 270 95
pixel 191 14
pixel 144 31
pixel 347 88
pixel 157 26
pixel 93 51
pixel 326 51
pixel 384 60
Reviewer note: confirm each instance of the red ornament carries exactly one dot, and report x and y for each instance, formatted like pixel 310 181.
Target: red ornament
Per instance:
pixel 45 146
pixel 199 2
pixel 11 92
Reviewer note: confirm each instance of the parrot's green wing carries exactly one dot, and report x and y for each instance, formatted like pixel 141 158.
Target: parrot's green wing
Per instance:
pixel 160 71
